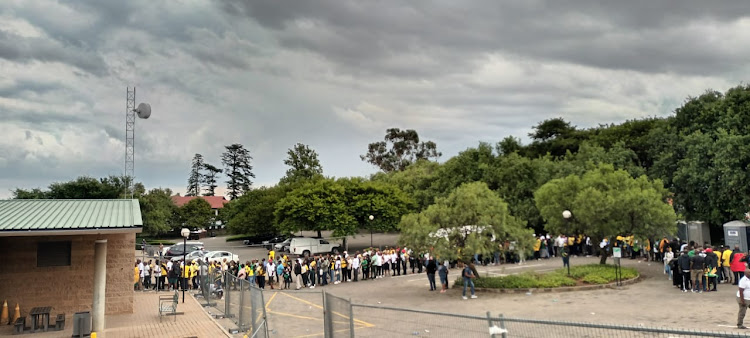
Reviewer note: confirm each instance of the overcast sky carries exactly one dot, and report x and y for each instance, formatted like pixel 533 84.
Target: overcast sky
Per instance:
pixel 334 75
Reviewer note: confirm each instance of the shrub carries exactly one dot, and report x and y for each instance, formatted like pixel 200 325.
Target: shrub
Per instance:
pixel 589 274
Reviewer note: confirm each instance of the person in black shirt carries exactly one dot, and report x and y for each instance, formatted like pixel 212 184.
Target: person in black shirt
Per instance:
pixel 683 262
pixel 697 264
pixel 431 269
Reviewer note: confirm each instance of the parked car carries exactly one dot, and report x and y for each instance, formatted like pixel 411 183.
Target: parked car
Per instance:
pixel 193 243
pixel 218 256
pixel 180 249
pixel 191 256
pixel 283 246
pixel 310 246
pixel 255 240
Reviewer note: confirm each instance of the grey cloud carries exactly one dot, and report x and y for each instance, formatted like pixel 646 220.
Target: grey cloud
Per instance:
pixel 614 35
pixel 20 49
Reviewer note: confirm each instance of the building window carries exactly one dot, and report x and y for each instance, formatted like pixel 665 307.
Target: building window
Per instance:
pixel 53 254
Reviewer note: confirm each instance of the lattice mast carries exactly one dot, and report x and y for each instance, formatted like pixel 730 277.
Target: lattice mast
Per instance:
pixel 130 139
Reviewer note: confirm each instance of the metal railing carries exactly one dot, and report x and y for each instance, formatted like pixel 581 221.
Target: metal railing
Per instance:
pixel 268 312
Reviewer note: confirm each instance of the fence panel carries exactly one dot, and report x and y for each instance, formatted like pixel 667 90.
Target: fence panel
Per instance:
pixel 256 317
pixel 339 321
pixel 294 313
pixel 380 321
pixel 518 328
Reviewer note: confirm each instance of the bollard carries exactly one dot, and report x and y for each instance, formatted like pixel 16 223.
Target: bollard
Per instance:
pixel 17 314
pixel 4 315
pixel 93 334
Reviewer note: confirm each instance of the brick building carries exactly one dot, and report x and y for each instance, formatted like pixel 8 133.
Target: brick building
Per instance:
pixel 73 255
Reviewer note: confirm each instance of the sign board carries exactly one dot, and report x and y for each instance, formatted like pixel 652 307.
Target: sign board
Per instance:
pixel 616 252
pixel 733 233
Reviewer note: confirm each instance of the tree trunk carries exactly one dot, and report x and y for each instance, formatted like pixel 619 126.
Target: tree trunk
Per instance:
pixel 319 235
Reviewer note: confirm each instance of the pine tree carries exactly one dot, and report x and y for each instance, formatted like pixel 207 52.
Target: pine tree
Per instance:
pixel 195 178
pixel 236 161
pixel 209 179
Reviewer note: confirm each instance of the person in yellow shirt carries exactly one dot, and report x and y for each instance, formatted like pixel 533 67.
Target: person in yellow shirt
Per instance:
pixel 136 277
pixel 271 255
pixel 725 266
pixel 194 274
pixel 537 246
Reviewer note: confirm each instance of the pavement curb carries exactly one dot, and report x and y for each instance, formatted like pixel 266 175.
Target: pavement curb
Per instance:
pixel 223 329
pixel 560 289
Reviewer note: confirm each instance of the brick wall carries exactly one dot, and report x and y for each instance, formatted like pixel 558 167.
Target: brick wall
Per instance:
pixel 67 289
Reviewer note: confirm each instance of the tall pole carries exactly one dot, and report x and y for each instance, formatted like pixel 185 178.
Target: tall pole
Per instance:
pixel 184 264
pixel 130 139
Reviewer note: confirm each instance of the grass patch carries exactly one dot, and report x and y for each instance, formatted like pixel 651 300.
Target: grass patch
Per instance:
pixel 587 274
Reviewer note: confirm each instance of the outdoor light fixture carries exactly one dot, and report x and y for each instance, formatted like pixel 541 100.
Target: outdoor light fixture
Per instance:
pixel 566 215
pixel 371 218
pixel 185 232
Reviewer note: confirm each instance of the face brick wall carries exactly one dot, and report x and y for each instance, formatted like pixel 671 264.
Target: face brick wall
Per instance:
pixel 67 289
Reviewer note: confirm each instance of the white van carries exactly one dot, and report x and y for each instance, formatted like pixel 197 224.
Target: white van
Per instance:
pixel 304 246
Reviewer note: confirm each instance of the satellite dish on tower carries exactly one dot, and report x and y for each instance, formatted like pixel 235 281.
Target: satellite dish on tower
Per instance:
pixel 143 110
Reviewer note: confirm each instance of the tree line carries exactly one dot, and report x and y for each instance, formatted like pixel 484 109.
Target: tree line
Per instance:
pixel 636 177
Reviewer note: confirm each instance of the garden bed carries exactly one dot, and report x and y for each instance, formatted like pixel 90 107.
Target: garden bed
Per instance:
pixel 580 276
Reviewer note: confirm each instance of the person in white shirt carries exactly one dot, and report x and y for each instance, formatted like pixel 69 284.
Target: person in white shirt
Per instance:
pixel 355 266
pixel 743 298
pixel 271 272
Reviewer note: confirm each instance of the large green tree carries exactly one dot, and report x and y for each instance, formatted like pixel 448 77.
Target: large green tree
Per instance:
pixel 209 179
pixel 253 212
pixel 196 214
pixel 159 212
pixel 463 224
pixel 196 177
pixel 605 202
pixel 400 149
pixel 316 206
pixel 416 181
pixel 84 187
pixel 237 167
pixel 303 163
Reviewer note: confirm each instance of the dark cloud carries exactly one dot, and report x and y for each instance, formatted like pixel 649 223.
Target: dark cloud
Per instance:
pixel 442 36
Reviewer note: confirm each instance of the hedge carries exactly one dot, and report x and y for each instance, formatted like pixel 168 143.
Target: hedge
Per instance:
pixel 587 274
pixel 237 238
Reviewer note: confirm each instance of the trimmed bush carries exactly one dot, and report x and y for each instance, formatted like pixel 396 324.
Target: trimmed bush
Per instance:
pixel 587 274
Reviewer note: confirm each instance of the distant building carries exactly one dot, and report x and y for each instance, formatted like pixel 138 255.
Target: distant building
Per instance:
pixel 216 202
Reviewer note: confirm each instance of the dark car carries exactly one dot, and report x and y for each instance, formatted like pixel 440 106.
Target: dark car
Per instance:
pixel 179 249
pixel 271 242
pixel 256 240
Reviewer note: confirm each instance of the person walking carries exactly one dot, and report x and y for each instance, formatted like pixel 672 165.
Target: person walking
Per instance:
pixel 683 262
pixel 431 269
pixel 468 278
pixel 443 273
pixel 668 256
pixel 743 298
pixel 697 266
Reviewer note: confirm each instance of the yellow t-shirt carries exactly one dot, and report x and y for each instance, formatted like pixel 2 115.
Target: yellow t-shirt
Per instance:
pixel 537 244
pixel 271 255
pixel 249 271
pixel 571 241
pixel 343 263
pixel 137 275
pixel 725 257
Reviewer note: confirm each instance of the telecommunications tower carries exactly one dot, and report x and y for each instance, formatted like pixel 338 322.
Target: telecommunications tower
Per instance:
pixel 143 111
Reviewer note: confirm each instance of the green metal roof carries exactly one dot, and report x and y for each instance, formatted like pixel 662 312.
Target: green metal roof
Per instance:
pixel 26 215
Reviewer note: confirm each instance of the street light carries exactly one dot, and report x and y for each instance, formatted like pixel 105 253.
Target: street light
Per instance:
pixel 566 215
pixel 371 218
pixel 185 232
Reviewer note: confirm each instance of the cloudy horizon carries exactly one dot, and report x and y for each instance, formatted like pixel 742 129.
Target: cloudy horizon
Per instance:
pixel 335 75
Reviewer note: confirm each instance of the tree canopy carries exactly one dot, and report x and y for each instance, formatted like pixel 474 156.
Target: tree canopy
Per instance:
pixel 303 163
pixel 400 149
pixel 463 224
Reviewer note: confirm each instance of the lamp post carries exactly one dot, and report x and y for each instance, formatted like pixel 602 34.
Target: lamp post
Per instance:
pixel 185 232
pixel 566 215
pixel 371 218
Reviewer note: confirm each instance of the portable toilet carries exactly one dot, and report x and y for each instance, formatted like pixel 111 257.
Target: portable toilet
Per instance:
pixel 696 231
pixel 737 233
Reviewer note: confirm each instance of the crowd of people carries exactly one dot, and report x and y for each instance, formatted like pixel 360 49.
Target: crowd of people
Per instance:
pixel 284 272
pixel 700 269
